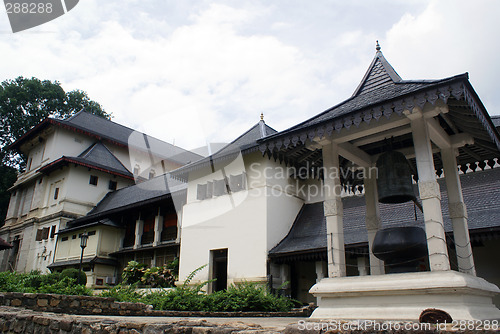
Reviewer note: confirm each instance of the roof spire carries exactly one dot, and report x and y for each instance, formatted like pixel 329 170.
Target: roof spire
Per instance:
pixel 377 47
pixel 261 116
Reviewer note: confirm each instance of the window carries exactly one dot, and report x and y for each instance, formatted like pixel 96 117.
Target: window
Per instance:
pixel 201 192
pixel 220 187
pixel 42 234
pixel 93 180
pixel 74 236
pixel 112 185
pixel 52 231
pixel 64 239
pixel 148 230
pixel 56 193
pixel 91 233
pixel 169 231
pixel 237 182
pixel 45 233
pixel 38 235
pixel 210 189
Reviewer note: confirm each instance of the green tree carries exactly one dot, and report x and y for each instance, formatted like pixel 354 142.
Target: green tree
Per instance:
pixel 23 104
pixel 8 176
pixel 26 102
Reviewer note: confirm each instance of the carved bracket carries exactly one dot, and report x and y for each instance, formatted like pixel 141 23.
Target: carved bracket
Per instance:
pixel 457 210
pixel 332 207
pixel 429 189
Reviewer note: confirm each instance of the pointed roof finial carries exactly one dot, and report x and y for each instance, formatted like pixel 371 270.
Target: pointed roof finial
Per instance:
pixel 261 116
pixel 377 47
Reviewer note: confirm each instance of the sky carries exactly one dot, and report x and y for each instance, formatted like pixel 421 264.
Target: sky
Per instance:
pixel 192 72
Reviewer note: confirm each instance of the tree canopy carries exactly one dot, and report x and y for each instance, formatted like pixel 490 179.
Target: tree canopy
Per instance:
pixel 23 104
pixel 26 102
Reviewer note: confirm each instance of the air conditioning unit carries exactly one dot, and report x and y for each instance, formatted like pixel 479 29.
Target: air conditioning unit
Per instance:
pixel 111 280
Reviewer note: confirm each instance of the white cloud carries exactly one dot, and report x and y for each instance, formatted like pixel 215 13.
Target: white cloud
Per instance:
pixel 206 70
pixel 450 37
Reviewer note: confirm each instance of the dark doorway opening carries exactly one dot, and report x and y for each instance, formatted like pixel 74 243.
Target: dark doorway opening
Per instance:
pixel 219 269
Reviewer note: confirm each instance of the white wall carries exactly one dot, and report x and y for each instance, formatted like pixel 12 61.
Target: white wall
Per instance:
pixel 248 223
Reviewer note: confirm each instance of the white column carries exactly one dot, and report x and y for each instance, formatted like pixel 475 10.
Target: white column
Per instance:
pixel 458 212
pixel 320 273
pixel 429 194
pixel 362 266
pixel 333 211
pixel 158 228
pixel 373 221
pixel 138 232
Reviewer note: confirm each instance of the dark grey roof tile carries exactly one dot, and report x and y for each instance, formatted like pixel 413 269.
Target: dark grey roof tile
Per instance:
pixel 481 191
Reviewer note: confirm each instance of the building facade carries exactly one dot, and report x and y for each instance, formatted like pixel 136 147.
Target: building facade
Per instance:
pixel 71 165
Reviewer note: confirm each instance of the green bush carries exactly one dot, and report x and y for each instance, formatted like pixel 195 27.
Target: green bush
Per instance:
pixel 74 273
pixel 123 293
pixel 133 272
pixel 158 277
pixel 34 282
pixel 242 297
pixel 66 286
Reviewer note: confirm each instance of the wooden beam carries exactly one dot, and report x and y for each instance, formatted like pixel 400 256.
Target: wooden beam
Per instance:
pixel 437 134
pixel 355 154
pixel 383 135
pixel 365 130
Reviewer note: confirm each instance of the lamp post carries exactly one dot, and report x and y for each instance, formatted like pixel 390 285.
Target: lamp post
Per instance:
pixel 83 243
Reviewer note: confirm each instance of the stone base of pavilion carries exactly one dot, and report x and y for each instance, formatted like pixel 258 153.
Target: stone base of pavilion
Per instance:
pixel 404 296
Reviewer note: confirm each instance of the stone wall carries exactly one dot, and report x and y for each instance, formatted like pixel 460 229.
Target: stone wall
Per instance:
pixel 72 304
pixel 88 305
pixel 18 320
pixel 15 320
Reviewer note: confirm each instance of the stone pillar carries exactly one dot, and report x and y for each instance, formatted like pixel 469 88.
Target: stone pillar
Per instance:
pixel 333 211
pixel 320 273
pixel 429 194
pixel 158 228
pixel 373 221
pixel 285 277
pixel 139 225
pixel 458 212
pixel 362 266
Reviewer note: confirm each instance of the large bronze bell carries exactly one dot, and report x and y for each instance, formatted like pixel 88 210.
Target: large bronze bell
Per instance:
pixel 394 178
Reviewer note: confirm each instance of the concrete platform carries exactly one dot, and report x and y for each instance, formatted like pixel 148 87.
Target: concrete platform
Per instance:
pixel 403 297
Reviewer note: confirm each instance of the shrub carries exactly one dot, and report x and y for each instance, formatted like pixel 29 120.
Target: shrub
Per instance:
pixel 66 286
pixel 158 277
pixel 123 293
pixel 133 272
pixel 74 273
pixel 35 282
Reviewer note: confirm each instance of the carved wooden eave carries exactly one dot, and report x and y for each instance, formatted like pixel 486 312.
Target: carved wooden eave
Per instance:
pixel 465 114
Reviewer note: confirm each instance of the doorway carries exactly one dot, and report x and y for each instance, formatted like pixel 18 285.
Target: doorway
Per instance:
pixel 219 269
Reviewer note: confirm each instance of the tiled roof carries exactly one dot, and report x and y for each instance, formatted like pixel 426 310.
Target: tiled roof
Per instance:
pixel 245 143
pixel 153 190
pixel 97 156
pixel 122 135
pixel 481 195
pixel 496 120
pixel 381 84
pixel 106 130
pixel 92 260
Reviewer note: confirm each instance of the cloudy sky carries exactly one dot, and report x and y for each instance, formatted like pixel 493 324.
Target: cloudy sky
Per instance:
pixel 199 71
